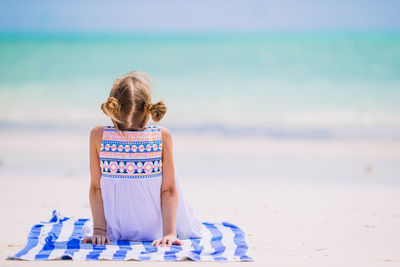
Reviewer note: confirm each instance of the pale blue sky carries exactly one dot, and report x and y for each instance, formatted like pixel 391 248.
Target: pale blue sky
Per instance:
pixel 196 16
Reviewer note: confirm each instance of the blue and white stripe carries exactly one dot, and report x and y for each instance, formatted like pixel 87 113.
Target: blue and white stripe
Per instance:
pixel 60 238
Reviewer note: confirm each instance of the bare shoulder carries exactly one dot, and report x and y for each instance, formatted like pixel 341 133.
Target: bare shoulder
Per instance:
pixel 96 133
pixel 165 134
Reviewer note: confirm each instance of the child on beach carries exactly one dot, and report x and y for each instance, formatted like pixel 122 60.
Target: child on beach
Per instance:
pixel 135 192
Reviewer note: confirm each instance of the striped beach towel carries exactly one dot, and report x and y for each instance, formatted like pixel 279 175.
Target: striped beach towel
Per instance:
pixel 60 238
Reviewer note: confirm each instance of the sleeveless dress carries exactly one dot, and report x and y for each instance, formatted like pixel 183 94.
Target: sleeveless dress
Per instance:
pixel 131 166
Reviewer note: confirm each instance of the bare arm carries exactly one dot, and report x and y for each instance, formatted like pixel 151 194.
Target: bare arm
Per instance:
pixel 95 197
pixel 169 193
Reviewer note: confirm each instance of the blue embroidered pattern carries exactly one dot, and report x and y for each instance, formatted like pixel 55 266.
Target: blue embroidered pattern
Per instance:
pixel 131 154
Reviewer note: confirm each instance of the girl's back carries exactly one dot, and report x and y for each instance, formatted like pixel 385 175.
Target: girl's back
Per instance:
pixel 131 179
pixel 131 167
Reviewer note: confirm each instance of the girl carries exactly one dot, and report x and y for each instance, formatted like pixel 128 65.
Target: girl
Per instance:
pixel 135 192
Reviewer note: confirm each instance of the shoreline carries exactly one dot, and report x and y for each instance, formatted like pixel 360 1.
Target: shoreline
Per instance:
pixel 215 157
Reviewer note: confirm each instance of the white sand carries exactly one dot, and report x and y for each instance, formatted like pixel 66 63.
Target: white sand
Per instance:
pixel 288 224
pixel 292 218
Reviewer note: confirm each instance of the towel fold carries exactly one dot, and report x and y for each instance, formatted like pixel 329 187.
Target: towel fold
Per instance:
pixel 60 238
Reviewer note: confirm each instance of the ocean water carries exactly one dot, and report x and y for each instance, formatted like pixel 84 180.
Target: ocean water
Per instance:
pixel 280 85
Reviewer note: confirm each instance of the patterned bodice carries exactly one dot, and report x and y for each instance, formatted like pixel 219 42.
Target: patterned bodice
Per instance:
pixel 131 154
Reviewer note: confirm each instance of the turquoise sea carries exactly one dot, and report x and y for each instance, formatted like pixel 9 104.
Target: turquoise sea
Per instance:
pixel 287 84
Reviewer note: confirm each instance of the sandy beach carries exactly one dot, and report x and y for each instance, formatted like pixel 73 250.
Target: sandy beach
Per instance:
pixel 287 224
pixel 289 220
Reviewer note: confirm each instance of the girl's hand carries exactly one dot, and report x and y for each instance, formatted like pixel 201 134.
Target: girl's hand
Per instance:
pixel 167 240
pixel 98 238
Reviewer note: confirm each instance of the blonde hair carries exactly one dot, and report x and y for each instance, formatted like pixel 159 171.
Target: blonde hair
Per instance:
pixel 129 104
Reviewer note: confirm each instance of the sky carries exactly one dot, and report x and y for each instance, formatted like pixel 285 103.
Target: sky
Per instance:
pixel 196 16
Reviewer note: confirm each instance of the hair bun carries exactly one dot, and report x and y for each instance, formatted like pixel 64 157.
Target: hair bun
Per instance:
pixel 113 105
pixel 112 108
pixel 158 111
